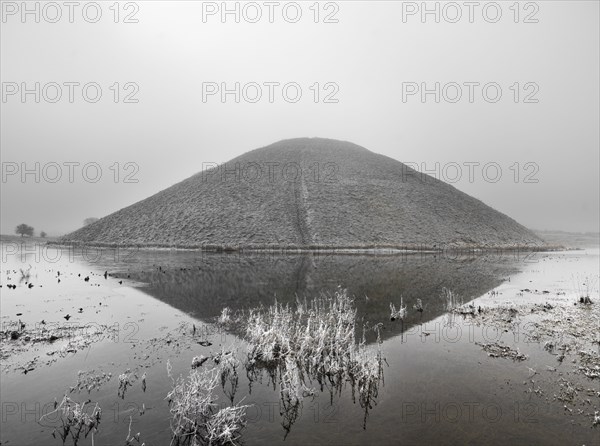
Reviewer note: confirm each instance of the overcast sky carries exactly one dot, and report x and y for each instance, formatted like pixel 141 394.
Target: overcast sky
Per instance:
pixel 370 57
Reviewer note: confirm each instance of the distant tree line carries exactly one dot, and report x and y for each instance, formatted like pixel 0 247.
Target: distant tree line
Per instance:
pixel 26 230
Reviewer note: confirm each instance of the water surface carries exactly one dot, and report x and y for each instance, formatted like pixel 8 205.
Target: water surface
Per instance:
pixel 439 388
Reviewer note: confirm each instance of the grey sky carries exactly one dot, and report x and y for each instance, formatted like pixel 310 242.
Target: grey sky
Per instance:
pixel 170 132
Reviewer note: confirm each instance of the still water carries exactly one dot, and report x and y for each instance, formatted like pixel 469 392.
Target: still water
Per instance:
pixel 439 386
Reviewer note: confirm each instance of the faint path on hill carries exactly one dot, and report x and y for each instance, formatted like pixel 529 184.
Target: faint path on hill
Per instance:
pixel 299 211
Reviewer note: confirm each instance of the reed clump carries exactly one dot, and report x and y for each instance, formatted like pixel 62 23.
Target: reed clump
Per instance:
pixel 397 313
pixel 76 420
pixel 315 340
pixel 585 285
pixel 196 416
pixel 453 303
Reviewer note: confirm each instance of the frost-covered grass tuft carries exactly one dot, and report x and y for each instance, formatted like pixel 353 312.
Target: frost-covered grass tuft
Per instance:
pixel 586 286
pixel 196 418
pixel 397 314
pixel 312 341
pixel 451 300
pixel 76 421
pixel 225 317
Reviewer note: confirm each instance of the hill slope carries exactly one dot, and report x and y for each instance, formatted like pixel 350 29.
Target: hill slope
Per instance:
pixel 309 192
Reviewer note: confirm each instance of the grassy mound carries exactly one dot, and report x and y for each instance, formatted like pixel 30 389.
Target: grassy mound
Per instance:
pixel 309 193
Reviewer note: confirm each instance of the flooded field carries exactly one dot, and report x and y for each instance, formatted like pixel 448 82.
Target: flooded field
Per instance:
pixel 501 348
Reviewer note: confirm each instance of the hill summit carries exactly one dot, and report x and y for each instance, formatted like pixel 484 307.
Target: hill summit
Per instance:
pixel 309 193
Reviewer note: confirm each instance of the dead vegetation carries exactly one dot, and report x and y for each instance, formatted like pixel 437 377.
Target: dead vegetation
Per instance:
pixel 56 340
pixel 90 380
pixel 76 421
pixel 498 350
pixel 567 329
pixel 310 344
pixel 196 417
pixel 397 313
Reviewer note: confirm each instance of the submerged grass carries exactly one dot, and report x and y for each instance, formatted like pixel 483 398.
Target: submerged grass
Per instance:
pixel 196 416
pixel 585 286
pixel 76 422
pixel 313 341
pixel 397 314
pixel 452 301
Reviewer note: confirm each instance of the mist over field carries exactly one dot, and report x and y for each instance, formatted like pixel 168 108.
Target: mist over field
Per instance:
pixel 162 70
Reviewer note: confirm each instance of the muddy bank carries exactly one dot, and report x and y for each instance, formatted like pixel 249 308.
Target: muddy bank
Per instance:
pixel 565 332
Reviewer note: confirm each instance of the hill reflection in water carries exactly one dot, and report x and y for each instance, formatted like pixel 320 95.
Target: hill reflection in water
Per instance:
pixel 202 284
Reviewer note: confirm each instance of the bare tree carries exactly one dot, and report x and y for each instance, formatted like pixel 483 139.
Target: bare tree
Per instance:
pixel 24 229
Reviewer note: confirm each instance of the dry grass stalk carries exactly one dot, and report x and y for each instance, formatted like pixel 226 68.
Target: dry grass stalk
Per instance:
pixel 195 415
pixel 315 341
pixel 74 419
